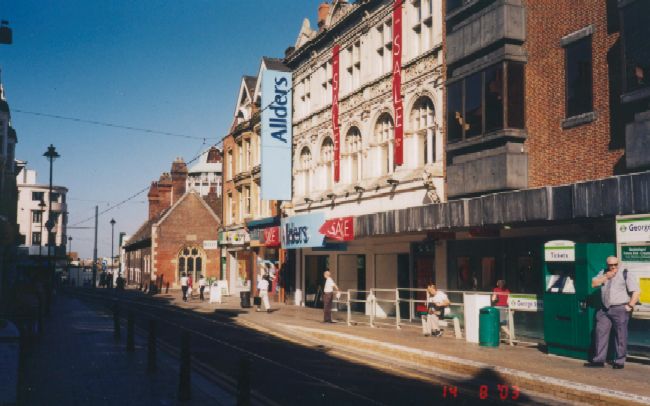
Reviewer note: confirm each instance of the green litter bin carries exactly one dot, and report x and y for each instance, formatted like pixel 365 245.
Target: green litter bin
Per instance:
pixel 488 327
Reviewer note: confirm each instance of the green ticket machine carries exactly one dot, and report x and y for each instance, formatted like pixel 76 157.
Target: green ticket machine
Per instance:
pixel 570 303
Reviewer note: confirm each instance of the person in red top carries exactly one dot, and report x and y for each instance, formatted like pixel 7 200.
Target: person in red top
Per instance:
pixel 500 294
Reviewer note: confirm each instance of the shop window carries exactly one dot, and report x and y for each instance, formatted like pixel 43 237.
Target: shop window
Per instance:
pixel 473 106
pixel 494 98
pixel 636 32
pixel 578 77
pixel 455 118
pixel 516 95
pixel 466 279
pixel 488 273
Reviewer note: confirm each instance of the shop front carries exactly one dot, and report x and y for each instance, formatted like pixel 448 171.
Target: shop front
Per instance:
pixel 238 259
pixel 268 258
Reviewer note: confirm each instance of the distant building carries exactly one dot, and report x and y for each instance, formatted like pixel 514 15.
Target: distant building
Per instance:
pixel 180 235
pixel 33 208
pixel 206 173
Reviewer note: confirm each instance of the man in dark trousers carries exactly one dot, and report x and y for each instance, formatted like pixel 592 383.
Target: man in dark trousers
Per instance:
pixel 328 296
pixel 619 292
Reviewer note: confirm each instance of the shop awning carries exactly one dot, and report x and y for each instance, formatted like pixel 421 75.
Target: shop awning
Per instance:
pixel 263 222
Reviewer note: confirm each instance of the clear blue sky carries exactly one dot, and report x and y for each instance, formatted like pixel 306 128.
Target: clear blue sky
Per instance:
pixel 166 65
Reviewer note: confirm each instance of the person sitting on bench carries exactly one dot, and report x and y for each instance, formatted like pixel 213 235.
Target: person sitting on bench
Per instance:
pixel 437 301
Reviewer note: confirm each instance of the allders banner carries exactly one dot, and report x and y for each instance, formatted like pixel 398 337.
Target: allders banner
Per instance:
pixel 276 135
pixel 335 112
pixel 397 82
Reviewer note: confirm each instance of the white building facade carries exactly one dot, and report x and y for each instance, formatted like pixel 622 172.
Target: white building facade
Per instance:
pixel 370 181
pixel 33 209
pixel 206 174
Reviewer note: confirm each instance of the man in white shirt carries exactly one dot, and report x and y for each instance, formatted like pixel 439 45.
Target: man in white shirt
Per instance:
pixel 328 296
pixel 263 292
pixel 437 300
pixel 184 285
pixel 202 284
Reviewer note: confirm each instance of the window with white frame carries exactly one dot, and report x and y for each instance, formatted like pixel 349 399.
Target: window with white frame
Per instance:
pixel 230 208
pixel 240 212
pixel 305 99
pixel 247 201
pixel 353 147
pixel 305 171
pixel 240 158
pixel 384 144
pixel 421 27
pixel 384 37
pixel 327 163
pixel 229 165
pixel 353 68
pixel 326 83
pixel 423 129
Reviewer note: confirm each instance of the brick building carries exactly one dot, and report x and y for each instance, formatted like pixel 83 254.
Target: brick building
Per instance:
pixel 179 235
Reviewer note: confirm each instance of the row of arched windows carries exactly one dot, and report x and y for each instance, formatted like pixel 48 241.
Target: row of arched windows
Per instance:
pixel 362 159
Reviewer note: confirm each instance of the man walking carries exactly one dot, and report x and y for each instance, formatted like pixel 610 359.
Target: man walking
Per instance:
pixel 619 292
pixel 328 296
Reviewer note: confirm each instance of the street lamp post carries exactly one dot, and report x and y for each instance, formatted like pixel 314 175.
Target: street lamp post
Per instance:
pixel 112 240
pixel 51 155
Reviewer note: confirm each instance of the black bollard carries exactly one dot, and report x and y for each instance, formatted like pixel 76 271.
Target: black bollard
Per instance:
pixel 39 316
pixel 130 339
pixel 244 382
pixel 151 347
pixel 184 383
pixel 116 322
pixel 167 288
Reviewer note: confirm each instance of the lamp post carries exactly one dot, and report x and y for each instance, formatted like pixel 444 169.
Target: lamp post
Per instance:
pixel 112 240
pixel 51 155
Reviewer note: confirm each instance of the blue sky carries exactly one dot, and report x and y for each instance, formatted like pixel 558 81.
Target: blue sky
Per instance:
pixel 165 65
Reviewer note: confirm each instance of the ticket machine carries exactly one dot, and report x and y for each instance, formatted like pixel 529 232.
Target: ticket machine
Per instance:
pixel 570 303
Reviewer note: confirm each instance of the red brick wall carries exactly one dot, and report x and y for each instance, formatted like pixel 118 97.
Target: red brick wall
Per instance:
pixel 189 224
pixel 558 156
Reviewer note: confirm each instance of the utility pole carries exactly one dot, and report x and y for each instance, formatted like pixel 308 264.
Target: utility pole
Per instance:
pixel 95 249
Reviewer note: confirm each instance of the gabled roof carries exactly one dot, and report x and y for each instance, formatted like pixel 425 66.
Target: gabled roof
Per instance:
pixel 244 98
pixel 143 233
pixel 187 196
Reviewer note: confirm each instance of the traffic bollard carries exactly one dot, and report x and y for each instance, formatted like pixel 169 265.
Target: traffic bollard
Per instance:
pixel 244 383
pixel 116 322
pixel 151 346
pixel 167 288
pixel 184 389
pixel 130 340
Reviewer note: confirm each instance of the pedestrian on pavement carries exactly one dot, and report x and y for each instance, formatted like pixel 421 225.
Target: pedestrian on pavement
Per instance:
pixel 190 286
pixel 202 284
pixel 437 301
pixel 263 292
pixel 328 296
pixel 500 294
pixel 184 286
pixel 619 292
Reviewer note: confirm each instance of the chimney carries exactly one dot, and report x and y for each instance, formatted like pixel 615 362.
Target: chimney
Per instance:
pixel 179 179
pixel 165 190
pixel 154 200
pixel 323 11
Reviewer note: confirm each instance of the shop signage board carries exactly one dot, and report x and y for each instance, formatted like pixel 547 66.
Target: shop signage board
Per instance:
pixel 633 250
pixel 237 237
pixel 525 302
pixel 302 231
pixel 272 236
pixel 560 251
pixel 276 135
pixel 339 229
pixel 210 245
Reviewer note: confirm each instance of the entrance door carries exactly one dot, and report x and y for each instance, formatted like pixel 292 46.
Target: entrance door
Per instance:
pixel 315 265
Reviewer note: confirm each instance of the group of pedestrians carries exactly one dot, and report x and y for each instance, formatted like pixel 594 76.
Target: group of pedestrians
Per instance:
pixel 187 286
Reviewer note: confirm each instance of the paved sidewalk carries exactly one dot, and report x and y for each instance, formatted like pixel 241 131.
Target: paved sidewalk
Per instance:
pixel 527 366
pixel 77 362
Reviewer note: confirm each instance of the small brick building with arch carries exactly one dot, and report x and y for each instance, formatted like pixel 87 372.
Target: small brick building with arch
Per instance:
pixel 179 236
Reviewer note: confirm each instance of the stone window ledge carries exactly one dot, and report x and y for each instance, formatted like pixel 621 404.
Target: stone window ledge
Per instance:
pixel 578 120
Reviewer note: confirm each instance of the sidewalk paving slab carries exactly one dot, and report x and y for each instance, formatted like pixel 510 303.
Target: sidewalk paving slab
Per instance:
pixel 77 362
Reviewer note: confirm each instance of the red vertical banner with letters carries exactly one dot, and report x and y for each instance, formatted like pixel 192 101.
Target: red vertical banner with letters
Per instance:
pixel 398 156
pixel 335 112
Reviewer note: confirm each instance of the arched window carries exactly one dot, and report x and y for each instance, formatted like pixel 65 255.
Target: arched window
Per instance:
pixel 327 162
pixel 353 148
pixel 190 261
pixel 384 139
pixel 423 128
pixel 305 171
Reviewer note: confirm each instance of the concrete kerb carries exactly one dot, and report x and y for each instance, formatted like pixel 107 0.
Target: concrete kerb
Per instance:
pixel 430 360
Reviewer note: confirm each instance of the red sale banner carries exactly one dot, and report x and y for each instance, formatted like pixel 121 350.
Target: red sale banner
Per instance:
pixel 397 81
pixel 335 112
pixel 272 236
pixel 340 229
